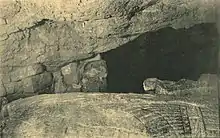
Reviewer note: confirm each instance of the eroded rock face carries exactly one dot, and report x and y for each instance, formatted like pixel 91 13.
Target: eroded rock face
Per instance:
pixel 94 76
pixel 29 86
pixel 56 35
pixel 112 115
pixel 84 76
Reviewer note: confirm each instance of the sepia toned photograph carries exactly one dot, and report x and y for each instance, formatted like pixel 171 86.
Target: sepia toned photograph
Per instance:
pixel 109 68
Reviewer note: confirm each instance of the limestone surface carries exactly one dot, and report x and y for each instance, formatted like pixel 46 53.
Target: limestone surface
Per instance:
pixel 111 115
pixel 61 31
pixel 38 36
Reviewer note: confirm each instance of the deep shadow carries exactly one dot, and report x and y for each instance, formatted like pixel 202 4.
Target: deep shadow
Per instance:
pixel 166 54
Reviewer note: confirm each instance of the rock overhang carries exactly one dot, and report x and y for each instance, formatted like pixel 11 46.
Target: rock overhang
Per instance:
pixel 105 25
pixel 58 33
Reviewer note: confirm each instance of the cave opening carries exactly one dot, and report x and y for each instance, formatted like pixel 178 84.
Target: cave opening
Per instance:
pixel 167 54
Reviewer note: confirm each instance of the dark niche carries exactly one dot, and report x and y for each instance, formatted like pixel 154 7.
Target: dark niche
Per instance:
pixel 167 54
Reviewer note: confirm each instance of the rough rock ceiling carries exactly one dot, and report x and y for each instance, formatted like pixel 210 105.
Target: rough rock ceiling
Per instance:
pixel 102 25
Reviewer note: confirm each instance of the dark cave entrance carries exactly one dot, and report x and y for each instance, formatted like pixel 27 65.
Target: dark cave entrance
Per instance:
pixel 167 54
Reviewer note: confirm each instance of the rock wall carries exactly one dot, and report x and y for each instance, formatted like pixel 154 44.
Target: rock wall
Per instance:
pixel 82 76
pixel 53 46
pixel 40 40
